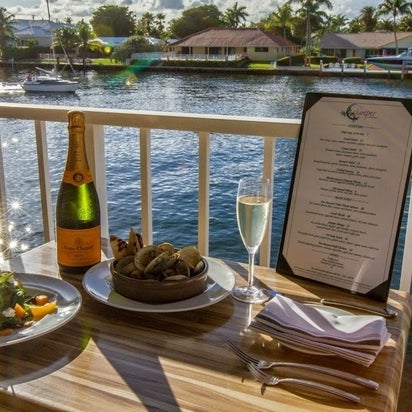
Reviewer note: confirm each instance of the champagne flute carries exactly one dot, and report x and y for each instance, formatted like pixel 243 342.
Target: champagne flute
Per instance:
pixel 254 197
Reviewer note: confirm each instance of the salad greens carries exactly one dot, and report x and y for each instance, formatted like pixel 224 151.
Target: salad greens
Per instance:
pixel 12 293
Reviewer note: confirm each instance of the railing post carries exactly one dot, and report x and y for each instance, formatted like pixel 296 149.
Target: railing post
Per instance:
pixel 95 148
pixel 4 218
pixel 146 186
pixel 268 172
pixel 44 180
pixel 406 271
pixel 203 218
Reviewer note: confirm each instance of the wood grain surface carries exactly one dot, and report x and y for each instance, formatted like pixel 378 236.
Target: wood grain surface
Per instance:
pixel 111 358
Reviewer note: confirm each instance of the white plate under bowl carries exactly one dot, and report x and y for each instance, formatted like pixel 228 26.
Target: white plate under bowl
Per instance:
pixel 68 304
pixel 98 283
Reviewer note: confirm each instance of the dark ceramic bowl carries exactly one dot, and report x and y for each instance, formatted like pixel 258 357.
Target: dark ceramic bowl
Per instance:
pixel 154 291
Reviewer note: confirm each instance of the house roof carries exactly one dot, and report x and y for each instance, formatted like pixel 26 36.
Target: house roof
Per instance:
pixel 367 40
pixel 34 28
pixel 215 37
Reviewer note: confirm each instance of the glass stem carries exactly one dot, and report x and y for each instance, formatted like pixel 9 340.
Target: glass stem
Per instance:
pixel 251 268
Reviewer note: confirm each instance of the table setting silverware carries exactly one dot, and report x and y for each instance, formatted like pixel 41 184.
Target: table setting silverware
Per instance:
pixel 272 380
pixel 385 311
pixel 264 364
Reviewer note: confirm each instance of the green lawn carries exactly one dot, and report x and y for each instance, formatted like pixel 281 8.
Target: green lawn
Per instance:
pixel 261 65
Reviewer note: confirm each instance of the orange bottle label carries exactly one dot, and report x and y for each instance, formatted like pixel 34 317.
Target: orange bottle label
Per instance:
pixel 77 177
pixel 78 248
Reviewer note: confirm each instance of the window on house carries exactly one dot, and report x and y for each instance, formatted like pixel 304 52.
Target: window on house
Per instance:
pixel 261 49
pixel 214 50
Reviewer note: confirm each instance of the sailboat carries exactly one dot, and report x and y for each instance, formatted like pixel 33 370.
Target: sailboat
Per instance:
pixel 48 80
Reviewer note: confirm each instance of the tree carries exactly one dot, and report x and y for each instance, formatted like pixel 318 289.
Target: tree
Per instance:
pixel 280 22
pixel 405 24
pixel 196 19
pixel 233 16
pixel 336 23
pixel 6 29
pixel 66 38
pixel 284 18
pixel 85 35
pixel 113 21
pixel 134 44
pixel 311 11
pixel 395 8
pixel 368 18
pixel 152 25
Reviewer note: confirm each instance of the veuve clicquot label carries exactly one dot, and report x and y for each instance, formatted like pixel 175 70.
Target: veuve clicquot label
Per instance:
pixel 77 177
pixel 78 248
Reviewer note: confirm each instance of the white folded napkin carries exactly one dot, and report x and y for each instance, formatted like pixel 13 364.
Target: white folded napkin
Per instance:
pixel 355 337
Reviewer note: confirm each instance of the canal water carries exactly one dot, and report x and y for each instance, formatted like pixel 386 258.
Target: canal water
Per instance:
pixel 174 155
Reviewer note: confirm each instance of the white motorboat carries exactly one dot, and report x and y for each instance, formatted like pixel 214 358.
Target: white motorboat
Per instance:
pixel 400 62
pixel 48 81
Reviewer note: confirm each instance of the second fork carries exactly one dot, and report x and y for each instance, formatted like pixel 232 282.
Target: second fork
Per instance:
pixel 262 364
pixel 272 380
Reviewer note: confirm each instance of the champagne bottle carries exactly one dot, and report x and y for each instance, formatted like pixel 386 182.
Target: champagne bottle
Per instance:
pixel 77 207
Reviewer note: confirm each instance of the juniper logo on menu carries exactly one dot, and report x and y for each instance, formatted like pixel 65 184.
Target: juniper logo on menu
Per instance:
pixel 354 112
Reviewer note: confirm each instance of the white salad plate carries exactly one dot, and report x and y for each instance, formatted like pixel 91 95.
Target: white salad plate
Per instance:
pixel 68 304
pixel 98 283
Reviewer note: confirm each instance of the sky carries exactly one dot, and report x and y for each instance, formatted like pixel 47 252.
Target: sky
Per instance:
pixel 83 9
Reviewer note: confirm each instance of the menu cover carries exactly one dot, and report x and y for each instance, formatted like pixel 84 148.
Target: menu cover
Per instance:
pixel 348 192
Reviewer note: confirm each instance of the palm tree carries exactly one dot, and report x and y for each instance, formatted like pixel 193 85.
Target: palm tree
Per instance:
pixel 336 23
pixel 145 24
pixel 405 23
pixel 6 29
pixel 368 18
pixel 395 8
pixel 233 16
pixel 282 18
pixel 86 35
pixel 311 9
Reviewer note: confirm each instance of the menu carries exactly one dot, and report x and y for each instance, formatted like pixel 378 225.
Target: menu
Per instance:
pixel 348 192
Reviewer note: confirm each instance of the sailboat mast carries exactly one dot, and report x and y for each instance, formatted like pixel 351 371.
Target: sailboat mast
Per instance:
pixel 48 10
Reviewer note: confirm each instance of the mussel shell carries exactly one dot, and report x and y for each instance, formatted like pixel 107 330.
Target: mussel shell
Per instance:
pixel 190 255
pixel 162 262
pixel 125 265
pixel 145 255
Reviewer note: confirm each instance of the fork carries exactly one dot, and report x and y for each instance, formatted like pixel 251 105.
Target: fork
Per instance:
pixel 271 380
pixel 263 364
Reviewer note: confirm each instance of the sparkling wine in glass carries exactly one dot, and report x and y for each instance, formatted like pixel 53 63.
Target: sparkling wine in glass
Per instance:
pixel 253 202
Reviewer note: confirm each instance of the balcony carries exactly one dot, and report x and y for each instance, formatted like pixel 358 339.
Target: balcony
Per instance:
pixel 142 124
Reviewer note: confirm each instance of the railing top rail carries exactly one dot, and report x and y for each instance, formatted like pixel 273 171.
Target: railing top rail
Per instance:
pixel 212 123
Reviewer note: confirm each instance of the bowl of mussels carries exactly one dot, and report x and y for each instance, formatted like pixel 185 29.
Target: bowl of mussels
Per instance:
pixel 159 273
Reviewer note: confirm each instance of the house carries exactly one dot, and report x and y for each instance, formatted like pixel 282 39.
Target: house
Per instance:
pixel 363 45
pixel 255 44
pixel 39 31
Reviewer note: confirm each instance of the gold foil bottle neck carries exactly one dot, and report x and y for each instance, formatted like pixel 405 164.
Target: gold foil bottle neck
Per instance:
pixel 76 119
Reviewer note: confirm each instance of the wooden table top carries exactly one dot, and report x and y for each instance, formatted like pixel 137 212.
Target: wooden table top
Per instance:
pixel 111 358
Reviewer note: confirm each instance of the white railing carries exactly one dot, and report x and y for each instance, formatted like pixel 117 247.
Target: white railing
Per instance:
pixel 144 123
